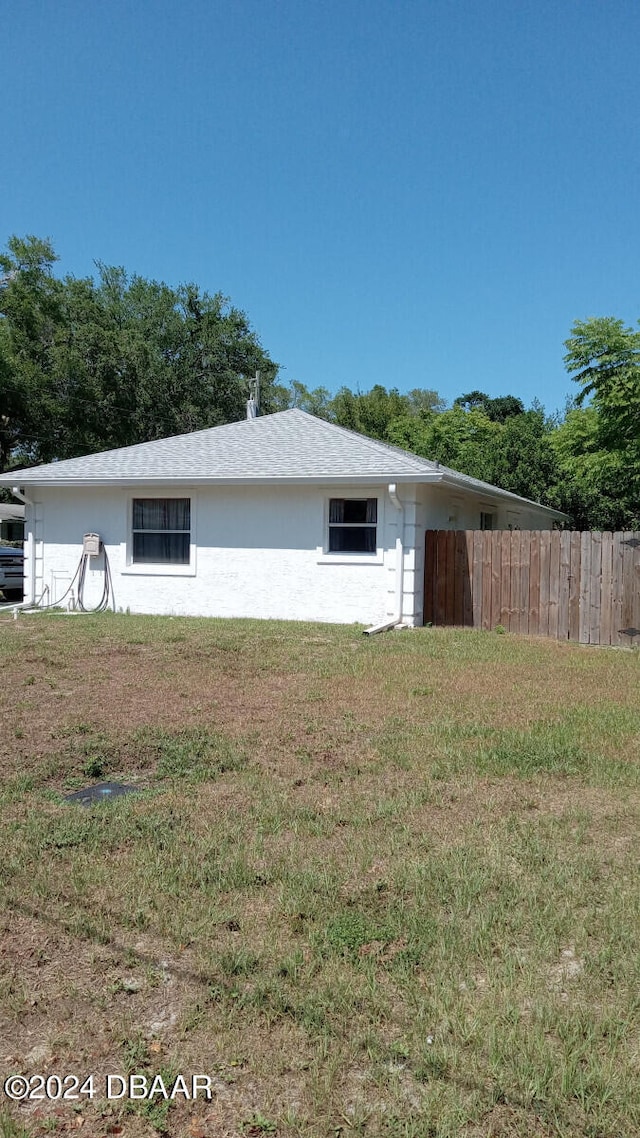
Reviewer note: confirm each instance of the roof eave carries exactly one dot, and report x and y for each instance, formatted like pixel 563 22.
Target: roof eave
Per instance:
pixel 485 489
pixel 186 480
pixel 444 477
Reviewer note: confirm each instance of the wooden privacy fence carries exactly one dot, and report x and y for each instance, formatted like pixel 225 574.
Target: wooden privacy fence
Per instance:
pixel 571 586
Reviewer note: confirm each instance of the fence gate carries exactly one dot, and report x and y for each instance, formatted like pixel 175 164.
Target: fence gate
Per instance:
pixel 571 586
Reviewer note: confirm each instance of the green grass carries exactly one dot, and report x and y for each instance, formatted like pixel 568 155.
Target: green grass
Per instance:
pixel 375 886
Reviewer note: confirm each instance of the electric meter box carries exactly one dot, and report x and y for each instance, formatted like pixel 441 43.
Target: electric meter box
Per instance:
pixel 91 544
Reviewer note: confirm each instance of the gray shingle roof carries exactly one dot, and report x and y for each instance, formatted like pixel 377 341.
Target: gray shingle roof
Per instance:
pixel 290 446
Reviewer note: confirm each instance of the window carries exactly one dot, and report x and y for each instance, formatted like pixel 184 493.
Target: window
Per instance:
pixel 352 525
pixel 161 531
pixel 486 520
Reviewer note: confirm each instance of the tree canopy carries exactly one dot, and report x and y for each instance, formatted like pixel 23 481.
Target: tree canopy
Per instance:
pixel 578 464
pixel 606 357
pixel 599 443
pixel 498 410
pixel 89 364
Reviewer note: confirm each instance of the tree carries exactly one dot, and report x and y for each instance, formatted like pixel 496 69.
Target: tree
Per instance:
pixel 370 412
pixel 498 410
pixel 595 483
pixel 606 357
pixel 425 402
pixel 30 311
pixel 86 366
pixel 523 459
pixel 316 402
pixel 600 443
pixel 463 440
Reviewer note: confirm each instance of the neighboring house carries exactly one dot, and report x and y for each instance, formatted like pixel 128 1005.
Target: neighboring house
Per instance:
pixel 11 522
pixel 285 516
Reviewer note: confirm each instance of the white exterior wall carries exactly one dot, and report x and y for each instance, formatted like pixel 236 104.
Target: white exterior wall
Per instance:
pixel 447 507
pixel 256 552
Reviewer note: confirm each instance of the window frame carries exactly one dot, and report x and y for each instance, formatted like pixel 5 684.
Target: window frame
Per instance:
pixel 360 557
pixel 365 526
pixel 161 568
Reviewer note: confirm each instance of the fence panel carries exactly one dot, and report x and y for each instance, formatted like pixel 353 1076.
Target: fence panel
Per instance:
pixel 574 586
pixel 606 595
pixel 534 584
pixel 569 586
pixel 545 561
pixel 487 580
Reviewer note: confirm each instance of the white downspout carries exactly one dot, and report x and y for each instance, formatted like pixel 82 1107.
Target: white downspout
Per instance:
pixel 17 493
pixel 397 619
pixel 31 547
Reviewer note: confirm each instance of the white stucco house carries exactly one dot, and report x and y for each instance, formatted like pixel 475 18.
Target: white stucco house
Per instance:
pixel 284 516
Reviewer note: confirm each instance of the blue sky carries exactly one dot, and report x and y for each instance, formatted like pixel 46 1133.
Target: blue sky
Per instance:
pixel 413 194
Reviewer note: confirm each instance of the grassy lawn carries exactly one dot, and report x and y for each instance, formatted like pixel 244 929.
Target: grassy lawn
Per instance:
pixel 381 886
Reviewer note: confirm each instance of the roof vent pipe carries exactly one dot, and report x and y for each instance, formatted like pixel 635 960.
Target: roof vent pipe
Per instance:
pixel 253 402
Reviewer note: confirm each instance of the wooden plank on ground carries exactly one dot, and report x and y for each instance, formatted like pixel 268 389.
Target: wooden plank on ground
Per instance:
pixel 574 587
pixel 595 589
pixel 554 583
pixel 565 570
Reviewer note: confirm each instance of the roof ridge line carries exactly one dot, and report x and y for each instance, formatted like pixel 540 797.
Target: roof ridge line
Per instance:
pixel 370 442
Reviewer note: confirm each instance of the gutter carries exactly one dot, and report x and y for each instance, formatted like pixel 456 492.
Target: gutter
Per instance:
pixel 373 478
pixel 397 619
pixel 438 476
pixel 462 482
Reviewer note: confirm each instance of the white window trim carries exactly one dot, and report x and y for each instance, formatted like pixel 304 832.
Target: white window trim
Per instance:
pixel 377 558
pixel 162 569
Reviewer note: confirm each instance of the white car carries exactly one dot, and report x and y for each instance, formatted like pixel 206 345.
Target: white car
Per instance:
pixel 11 572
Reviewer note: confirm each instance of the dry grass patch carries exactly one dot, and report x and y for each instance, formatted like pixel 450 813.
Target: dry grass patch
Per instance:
pixel 381 887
